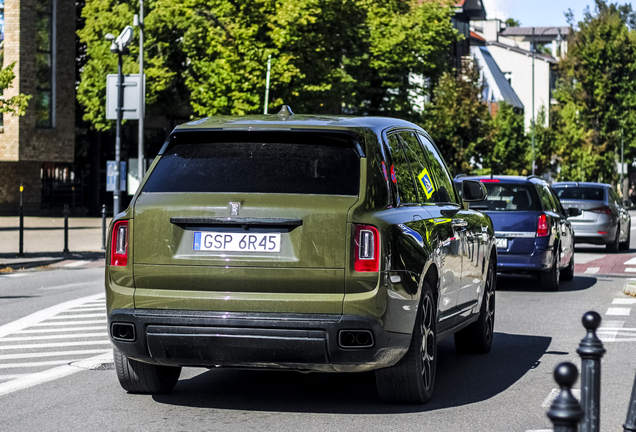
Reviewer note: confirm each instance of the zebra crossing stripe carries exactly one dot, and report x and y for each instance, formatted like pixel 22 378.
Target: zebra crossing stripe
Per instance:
pixel 44 314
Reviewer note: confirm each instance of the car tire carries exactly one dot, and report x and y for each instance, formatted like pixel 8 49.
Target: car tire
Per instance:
pixel 567 274
pixel 615 244
pixel 477 337
pixel 412 379
pixel 550 279
pixel 625 245
pixel 144 378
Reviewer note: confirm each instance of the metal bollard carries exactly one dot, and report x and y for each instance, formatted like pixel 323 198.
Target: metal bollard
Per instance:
pixel 591 351
pixel 66 212
pixel 565 412
pixel 21 240
pixel 630 422
pixel 103 227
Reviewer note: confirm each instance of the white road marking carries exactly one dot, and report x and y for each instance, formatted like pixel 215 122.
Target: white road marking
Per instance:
pixel 44 314
pixel 541 430
pixel 609 329
pixel 617 311
pixel 33 364
pixel 56 336
pixel 65 329
pixel 554 393
pixel 54 345
pixel 89 309
pixel 13 275
pixel 624 301
pixel 592 270
pixel 11 376
pixel 630 262
pixel 57 287
pixel 49 354
pixel 76 263
pixel 630 270
pixel 66 315
pixel 49 375
pixel 46 324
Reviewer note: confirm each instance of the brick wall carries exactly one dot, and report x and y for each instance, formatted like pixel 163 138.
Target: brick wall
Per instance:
pixel 12 174
pixel 23 147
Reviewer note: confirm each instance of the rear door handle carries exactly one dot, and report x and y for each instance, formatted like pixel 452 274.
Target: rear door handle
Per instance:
pixel 459 223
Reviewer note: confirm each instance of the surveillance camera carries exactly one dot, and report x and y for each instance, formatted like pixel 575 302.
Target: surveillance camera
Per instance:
pixel 109 37
pixel 125 37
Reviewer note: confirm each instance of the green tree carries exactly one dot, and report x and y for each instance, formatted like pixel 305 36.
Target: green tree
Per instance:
pixel 597 93
pixel 510 22
pixel 459 121
pixel 17 104
pixel 545 145
pixel 509 142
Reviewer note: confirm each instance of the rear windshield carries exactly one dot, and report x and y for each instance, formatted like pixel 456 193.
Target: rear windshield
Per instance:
pixel 508 197
pixel 589 193
pixel 258 167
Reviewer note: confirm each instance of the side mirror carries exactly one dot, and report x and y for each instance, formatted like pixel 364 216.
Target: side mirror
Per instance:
pixel 573 212
pixel 473 191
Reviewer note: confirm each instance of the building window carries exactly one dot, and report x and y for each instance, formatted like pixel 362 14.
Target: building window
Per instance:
pixel 44 64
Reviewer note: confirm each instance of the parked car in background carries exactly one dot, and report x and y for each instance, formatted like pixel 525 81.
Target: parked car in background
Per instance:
pixel 309 243
pixel 604 220
pixel 534 235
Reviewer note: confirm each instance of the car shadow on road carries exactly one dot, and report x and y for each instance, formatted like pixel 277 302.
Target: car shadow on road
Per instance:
pixel 461 380
pixel 529 284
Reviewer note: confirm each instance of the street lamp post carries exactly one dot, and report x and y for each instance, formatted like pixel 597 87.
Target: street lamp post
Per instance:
pixel 139 21
pixel 532 124
pixel 119 47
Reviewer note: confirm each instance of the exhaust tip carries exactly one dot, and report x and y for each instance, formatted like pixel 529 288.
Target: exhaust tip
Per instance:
pixel 355 339
pixel 123 332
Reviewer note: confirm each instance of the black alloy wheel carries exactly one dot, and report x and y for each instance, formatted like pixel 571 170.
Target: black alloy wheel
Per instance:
pixel 614 246
pixel 412 379
pixel 477 337
pixel 625 245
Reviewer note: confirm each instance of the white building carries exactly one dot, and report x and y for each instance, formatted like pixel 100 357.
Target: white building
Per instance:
pixel 511 48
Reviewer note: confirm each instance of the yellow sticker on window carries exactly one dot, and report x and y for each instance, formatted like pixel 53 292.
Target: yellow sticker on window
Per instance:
pixel 427 184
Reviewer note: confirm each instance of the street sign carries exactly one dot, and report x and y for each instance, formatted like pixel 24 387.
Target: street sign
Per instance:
pixel 131 97
pixel 112 174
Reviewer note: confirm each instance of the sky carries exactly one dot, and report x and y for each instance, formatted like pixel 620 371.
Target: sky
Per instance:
pixel 541 13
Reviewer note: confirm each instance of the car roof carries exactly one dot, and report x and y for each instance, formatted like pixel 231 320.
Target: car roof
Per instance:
pixel 296 121
pixel 503 178
pixel 575 184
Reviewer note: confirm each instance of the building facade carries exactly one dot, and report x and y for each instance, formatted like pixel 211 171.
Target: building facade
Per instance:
pixel 39 36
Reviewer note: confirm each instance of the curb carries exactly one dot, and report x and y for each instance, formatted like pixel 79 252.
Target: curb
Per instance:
pixel 30 264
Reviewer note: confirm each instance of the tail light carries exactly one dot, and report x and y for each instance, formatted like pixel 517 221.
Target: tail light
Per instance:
pixel 602 209
pixel 367 249
pixel 543 229
pixel 119 244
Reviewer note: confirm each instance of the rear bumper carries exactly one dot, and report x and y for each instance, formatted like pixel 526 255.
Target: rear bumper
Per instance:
pixel 589 232
pixel 540 260
pixel 264 340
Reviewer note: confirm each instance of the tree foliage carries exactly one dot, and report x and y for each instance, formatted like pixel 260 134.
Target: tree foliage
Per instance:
pixel 597 93
pixel 510 144
pixel 352 56
pixel 17 104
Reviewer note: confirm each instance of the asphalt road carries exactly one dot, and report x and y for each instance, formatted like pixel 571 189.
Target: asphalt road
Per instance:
pixel 505 390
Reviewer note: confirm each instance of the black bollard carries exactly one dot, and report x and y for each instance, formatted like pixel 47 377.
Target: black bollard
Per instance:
pixel 565 412
pixel 66 212
pixel 21 240
pixel 103 227
pixel 630 422
pixel 591 351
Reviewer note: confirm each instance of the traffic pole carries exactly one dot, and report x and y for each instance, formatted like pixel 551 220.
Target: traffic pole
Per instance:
pixel 66 213
pixel 21 241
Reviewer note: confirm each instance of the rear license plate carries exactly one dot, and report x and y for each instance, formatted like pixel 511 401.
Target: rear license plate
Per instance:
pixel 233 242
pixel 502 243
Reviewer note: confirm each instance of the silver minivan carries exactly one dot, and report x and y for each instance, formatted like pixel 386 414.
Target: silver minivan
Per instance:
pixel 604 219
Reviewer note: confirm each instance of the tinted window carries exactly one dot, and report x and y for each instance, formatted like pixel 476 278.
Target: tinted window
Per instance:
pixel 508 197
pixel 421 171
pixel 441 177
pixel 257 167
pixel 546 198
pixel 406 187
pixel 580 193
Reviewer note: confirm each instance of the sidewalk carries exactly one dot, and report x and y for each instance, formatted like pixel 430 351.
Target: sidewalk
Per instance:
pixel 44 240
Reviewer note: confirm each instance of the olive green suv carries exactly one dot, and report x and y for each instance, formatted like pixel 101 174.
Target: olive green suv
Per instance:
pixel 299 242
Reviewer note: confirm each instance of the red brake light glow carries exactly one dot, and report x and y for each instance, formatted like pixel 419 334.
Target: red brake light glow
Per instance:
pixel 542 227
pixel 119 244
pixel 489 180
pixel 366 249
